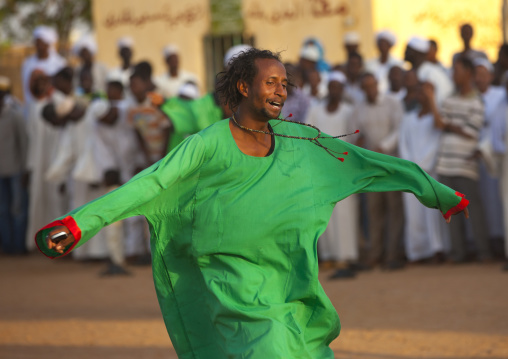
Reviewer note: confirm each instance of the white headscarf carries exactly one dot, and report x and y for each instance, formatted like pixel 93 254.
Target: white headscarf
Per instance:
pixel 85 42
pixel 419 44
pixel 125 41
pixel 46 34
pixel 234 51
pixel 337 76
pixel 387 35
pixel 169 50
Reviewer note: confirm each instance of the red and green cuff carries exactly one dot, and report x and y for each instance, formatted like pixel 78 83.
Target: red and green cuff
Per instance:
pixel 458 208
pixel 41 235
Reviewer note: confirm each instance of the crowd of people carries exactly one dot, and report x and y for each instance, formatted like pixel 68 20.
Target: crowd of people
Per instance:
pixel 82 132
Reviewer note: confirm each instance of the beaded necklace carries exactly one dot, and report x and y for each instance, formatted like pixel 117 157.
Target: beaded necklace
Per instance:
pixel 314 140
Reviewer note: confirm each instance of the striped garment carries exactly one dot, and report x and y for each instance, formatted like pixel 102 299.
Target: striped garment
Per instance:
pixel 456 151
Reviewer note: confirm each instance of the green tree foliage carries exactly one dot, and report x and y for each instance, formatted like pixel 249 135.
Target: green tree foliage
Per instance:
pixel 19 17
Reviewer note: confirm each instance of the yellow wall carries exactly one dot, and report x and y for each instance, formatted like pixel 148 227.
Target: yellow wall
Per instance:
pixel 153 24
pixel 283 25
pixel 440 20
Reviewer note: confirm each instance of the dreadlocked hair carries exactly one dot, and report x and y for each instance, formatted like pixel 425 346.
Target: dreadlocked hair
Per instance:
pixel 240 67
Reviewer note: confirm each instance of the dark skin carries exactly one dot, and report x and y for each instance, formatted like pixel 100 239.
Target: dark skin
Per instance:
pixel 414 57
pixel 172 62
pixel 384 50
pixel 41 49
pixel 466 33
pixel 125 54
pixel 262 101
pixel 114 94
pixel 396 78
pixel 86 57
pixel 335 90
pixel 353 69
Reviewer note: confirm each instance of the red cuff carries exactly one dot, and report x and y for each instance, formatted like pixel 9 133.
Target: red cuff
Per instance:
pixel 458 208
pixel 68 222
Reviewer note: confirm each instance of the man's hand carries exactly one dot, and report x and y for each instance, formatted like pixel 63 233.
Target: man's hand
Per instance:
pixel 466 213
pixel 59 238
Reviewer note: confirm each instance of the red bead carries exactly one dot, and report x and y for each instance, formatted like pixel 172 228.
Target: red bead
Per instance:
pixel 357 131
pixel 340 159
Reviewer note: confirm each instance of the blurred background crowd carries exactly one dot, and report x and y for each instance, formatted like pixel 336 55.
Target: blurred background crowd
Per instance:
pixel 81 129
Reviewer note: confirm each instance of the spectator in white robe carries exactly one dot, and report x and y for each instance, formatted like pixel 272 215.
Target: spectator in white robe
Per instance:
pixel 353 92
pixel 381 65
pixel 416 54
pixel 396 83
pixel 466 34
pixel 338 245
pixel 493 99
pixel 46 201
pixel 169 82
pixel 432 56
pixel 45 58
pixel 125 47
pixel 315 83
pixel 109 155
pixel 86 50
pixel 74 164
pixel 425 234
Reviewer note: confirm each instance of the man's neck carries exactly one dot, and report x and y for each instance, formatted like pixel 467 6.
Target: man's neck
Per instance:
pixel 465 89
pixel 332 105
pixel 126 65
pixel 417 63
pixel 173 72
pixel 383 58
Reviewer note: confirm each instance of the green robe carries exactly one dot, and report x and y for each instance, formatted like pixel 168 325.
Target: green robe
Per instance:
pixel 190 116
pixel 234 237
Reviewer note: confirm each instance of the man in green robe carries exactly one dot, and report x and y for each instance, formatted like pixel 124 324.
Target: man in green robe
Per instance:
pixel 235 212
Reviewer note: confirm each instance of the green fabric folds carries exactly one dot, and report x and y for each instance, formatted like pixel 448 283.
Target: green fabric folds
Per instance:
pixel 234 237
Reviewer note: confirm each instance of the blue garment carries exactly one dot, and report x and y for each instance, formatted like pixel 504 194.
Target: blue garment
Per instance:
pixel 13 214
pixel 322 65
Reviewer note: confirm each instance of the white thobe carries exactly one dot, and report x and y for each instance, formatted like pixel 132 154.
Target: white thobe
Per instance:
pixel 425 233
pixel 339 242
pixel 380 71
pixel 45 203
pixel 494 105
pixel 168 86
pixel 74 162
pixel 99 76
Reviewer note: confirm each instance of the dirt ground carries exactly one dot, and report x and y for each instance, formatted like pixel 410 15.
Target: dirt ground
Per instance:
pixel 63 309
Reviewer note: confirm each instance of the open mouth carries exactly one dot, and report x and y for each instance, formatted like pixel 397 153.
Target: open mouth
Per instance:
pixel 276 104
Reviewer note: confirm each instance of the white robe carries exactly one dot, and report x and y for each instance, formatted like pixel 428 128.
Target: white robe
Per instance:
pixel 380 71
pixel 168 86
pixel 425 233
pixel 45 203
pixel 74 162
pixel 494 101
pixel 49 66
pixel 339 242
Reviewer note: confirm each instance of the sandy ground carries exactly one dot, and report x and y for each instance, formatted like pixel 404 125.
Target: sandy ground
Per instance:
pixel 63 309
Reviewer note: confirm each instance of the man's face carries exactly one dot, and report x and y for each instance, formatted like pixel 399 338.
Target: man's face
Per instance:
pixel 460 74
pixel 86 56
pixel 466 33
pixel 351 48
pixel 138 87
pixel 307 65
pixel 396 78
pixel 125 53
pixel 267 93
pixel 114 92
pixel 86 81
pixel 41 49
pixel 482 78
pixel 369 86
pixel 335 90
pixel 172 61
pixel 354 66
pixel 383 46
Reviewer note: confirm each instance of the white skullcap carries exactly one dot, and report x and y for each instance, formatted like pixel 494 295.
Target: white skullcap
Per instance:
pixel 234 51
pixel 5 83
pixel 419 44
pixel 189 90
pixel 481 61
pixel 386 35
pixel 351 38
pixel 310 52
pixel 337 76
pixel 170 50
pixel 125 41
pixel 85 42
pixel 46 34
pixel 114 76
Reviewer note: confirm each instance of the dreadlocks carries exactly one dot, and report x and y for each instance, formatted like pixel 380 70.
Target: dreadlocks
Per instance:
pixel 240 67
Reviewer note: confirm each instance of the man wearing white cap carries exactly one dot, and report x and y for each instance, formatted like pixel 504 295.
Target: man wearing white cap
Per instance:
pixel 416 54
pixel 86 49
pixel 338 245
pixel 381 65
pixel 125 51
pixel 170 82
pixel 351 42
pixel 494 107
pixel 316 82
pixel 45 58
